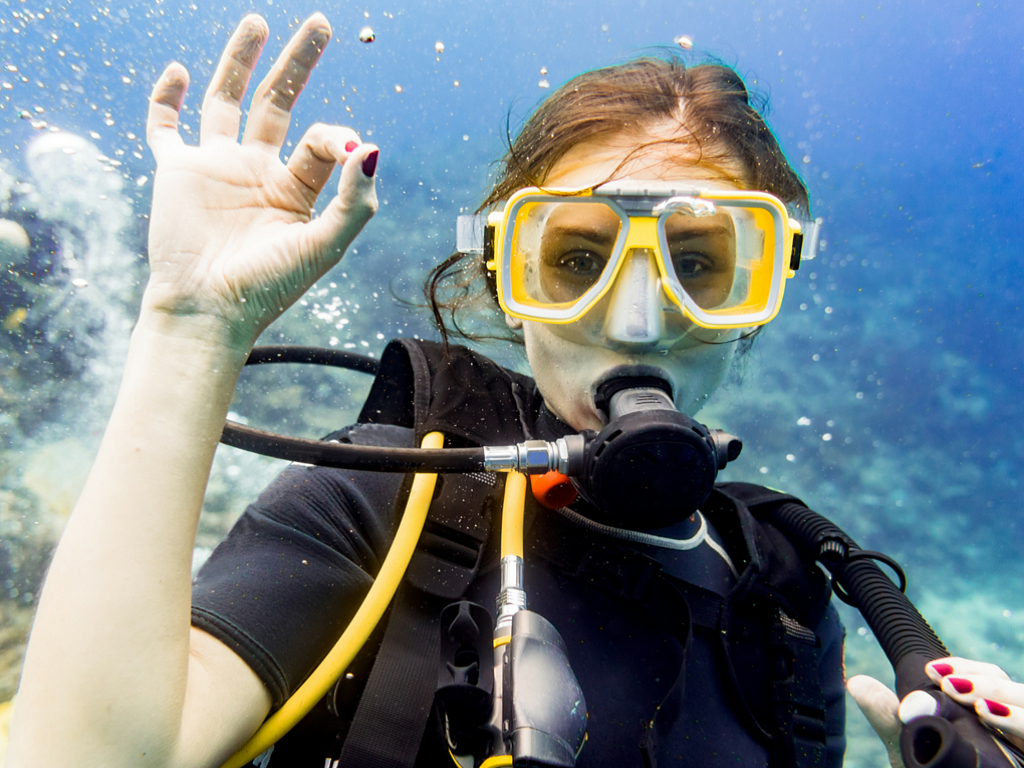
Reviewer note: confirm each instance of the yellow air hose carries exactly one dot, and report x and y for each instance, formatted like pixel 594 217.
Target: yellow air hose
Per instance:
pixel 512 515
pixel 362 624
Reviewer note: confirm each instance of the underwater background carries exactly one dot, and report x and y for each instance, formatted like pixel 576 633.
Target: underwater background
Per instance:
pixel 887 395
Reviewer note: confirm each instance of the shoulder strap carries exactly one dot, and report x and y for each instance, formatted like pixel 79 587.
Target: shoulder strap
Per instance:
pixel 383 735
pixel 446 561
pixel 458 392
pixel 473 400
pixel 775 634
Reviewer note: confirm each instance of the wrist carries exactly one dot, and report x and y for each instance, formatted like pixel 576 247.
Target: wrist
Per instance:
pixel 196 337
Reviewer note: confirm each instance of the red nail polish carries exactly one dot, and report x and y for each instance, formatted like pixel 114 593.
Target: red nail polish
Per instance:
pixel 351 146
pixel 960 685
pixel 997 709
pixel 370 164
pixel 943 670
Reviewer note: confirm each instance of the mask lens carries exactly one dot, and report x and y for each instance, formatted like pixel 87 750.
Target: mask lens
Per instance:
pixel 703 255
pixel 724 264
pixel 560 251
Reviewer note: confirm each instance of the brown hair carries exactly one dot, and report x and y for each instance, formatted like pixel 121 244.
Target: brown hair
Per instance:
pixel 712 112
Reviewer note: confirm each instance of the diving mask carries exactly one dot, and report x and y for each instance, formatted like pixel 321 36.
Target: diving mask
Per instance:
pixel 722 255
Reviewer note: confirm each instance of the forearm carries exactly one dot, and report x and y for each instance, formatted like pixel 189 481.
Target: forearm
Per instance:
pixel 107 664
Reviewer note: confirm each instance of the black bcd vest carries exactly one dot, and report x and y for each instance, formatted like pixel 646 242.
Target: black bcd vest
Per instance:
pixel 763 625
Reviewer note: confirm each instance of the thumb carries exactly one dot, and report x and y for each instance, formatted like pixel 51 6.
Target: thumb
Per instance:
pixel 880 707
pixel 347 213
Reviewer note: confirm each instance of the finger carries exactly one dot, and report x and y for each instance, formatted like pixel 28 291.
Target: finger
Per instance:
pixel 276 95
pixel 330 234
pixel 879 705
pixel 967 689
pixel 1009 720
pixel 222 111
pixel 165 109
pixel 954 665
pixel 320 149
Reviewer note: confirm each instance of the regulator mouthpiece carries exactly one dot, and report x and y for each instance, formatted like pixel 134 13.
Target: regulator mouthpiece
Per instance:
pixel 651 466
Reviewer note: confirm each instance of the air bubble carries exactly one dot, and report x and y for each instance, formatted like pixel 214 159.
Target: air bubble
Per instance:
pixel 543 84
pixel 439 46
pixel 80 282
pixel 543 71
pixel 683 41
pixel 398 89
pixel 367 35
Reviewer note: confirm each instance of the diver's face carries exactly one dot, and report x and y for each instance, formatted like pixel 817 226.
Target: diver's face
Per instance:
pixel 629 332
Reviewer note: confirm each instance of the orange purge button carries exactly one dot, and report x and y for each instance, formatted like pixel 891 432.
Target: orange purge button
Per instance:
pixel 553 490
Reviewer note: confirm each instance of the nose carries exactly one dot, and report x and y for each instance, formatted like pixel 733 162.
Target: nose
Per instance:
pixel 636 306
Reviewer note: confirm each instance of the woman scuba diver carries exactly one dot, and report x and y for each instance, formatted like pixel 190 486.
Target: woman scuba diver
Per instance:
pixel 643 225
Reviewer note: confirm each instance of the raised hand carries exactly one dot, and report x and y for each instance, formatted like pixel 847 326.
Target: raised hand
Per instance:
pixel 232 239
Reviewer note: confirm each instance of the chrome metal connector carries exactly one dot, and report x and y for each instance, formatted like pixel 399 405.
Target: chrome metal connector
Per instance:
pixel 535 457
pixel 501 458
pixel 512 597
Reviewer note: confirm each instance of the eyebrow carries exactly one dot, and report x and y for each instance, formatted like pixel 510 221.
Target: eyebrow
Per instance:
pixel 587 233
pixel 714 229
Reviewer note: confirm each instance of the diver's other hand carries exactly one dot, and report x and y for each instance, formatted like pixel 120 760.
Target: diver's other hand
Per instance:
pixel 880 706
pixel 987 689
pixel 232 238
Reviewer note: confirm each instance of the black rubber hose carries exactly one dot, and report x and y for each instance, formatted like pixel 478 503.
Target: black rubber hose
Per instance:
pixel 348 456
pixel 901 630
pixel 342 455
pixel 295 353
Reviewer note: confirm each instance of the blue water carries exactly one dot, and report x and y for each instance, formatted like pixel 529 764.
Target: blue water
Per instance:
pixel 902 343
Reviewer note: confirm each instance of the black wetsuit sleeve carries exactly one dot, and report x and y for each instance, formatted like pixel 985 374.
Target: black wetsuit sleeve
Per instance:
pixel 289 576
pixel 830 673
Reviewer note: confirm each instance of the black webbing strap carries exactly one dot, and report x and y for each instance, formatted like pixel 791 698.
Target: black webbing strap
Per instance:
pixel 391 718
pixel 797 699
pixel 384 735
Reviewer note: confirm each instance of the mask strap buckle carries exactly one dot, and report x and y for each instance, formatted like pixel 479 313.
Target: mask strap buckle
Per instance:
pixel 685 204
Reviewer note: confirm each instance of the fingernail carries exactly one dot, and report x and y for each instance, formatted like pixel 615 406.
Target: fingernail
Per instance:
pixel 943 670
pixel 960 685
pixel 370 164
pixel 997 709
pixel 351 146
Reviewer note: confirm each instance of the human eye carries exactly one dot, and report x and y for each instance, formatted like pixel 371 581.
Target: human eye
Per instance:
pixel 691 265
pixel 580 264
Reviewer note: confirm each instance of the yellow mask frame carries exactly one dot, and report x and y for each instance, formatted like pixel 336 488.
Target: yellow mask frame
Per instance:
pixel 771 255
